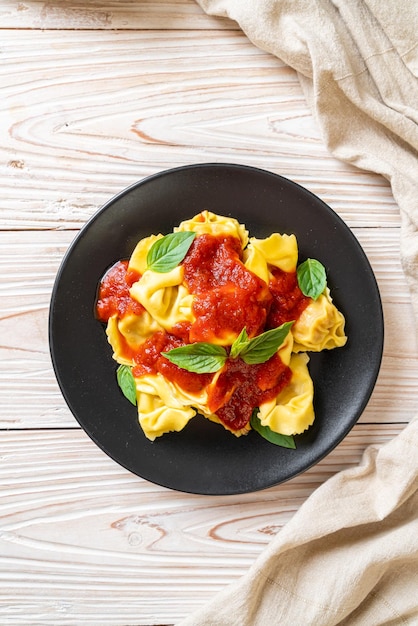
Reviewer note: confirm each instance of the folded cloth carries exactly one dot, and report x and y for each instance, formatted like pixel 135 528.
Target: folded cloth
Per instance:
pixel 357 61
pixel 349 556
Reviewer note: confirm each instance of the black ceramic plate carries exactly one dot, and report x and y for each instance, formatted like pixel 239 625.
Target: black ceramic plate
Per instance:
pixel 204 458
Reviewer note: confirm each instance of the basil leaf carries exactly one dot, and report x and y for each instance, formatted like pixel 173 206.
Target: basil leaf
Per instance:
pixel 126 382
pixel 201 358
pixel 261 348
pixel 285 441
pixel 239 344
pixel 166 253
pixel 312 278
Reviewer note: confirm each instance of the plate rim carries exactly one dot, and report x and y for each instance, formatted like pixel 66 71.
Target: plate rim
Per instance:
pixel 220 166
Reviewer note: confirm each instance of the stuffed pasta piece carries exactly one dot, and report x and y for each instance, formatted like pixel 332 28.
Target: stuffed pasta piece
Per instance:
pixel 218 326
pixel 318 324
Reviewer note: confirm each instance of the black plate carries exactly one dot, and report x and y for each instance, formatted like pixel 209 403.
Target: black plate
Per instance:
pixel 204 458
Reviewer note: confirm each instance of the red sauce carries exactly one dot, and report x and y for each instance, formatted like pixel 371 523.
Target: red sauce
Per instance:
pixel 114 297
pixel 242 387
pixel 288 300
pixel 228 297
pixel 150 361
pixel 182 331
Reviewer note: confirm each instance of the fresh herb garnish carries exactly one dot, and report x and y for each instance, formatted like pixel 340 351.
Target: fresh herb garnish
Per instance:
pixel 261 348
pixel 239 344
pixel 285 441
pixel 166 253
pixel 312 278
pixel 205 358
pixel 201 358
pixel 126 382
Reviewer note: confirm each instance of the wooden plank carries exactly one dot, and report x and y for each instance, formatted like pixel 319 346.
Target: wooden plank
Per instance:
pixel 84 541
pixel 29 262
pixel 94 96
pixel 108 15
pixel 100 110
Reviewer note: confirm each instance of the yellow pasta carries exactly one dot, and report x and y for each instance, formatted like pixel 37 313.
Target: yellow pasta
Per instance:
pixel 212 224
pixel 156 417
pixel 291 412
pixel 253 283
pixel 275 251
pixel 320 326
pixel 164 296
pixel 130 330
pixel 138 260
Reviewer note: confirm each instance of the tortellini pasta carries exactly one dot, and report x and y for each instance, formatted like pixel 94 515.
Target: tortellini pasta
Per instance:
pixel 277 390
pixel 209 223
pixel 163 406
pixel 138 260
pixel 291 412
pixel 276 251
pixel 129 332
pixel 164 297
pixel 320 326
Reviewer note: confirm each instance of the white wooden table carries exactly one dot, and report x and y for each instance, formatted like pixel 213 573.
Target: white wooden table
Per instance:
pixel 96 95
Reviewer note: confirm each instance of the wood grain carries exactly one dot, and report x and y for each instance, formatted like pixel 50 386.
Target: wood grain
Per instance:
pixel 85 114
pixel 94 96
pixel 84 541
pixel 108 14
pixel 29 263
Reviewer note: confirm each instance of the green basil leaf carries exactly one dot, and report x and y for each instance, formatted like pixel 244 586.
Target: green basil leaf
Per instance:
pixel 166 253
pixel 201 358
pixel 126 382
pixel 261 348
pixel 285 441
pixel 239 344
pixel 312 278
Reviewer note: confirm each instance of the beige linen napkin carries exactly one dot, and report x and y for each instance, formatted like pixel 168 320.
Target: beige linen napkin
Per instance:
pixel 349 556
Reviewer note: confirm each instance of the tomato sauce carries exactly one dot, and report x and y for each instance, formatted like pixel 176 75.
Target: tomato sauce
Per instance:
pixel 114 297
pixel 149 360
pixel 241 387
pixel 288 300
pixel 228 297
